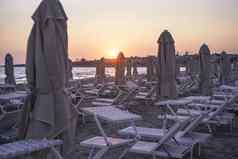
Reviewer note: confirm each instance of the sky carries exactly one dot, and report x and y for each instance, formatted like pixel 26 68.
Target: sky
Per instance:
pixel 101 28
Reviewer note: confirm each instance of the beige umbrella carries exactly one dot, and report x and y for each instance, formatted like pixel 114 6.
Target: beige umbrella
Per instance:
pixel 225 68
pixel 100 71
pixel 204 61
pixel 149 68
pixel 167 67
pixel 9 70
pixel 70 69
pixel 128 68
pixel 46 70
pixel 120 69
pixel 135 72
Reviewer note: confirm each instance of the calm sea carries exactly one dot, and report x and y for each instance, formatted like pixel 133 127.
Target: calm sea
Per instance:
pixel 78 73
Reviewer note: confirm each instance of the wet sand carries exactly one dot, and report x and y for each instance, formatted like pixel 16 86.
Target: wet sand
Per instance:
pixel 222 145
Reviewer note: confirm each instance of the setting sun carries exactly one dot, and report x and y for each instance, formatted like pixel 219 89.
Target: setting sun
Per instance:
pixel 112 53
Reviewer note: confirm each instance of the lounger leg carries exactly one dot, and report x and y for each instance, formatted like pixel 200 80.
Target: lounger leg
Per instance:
pixel 100 153
pixel 199 149
pixel 56 153
pixel 154 156
pixel 231 126
pixel 191 152
pixel 124 153
pixel 91 153
pixel 209 128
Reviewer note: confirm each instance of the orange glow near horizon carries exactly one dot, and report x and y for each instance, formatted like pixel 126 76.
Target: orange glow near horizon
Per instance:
pixel 112 53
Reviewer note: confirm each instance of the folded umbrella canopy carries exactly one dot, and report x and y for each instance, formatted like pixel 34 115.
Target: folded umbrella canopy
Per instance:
pixel 167 67
pixel 70 69
pixel 128 68
pixel 46 70
pixel 225 68
pixel 134 65
pixel 9 70
pixel 204 61
pixel 120 69
pixel 100 71
pixel 149 68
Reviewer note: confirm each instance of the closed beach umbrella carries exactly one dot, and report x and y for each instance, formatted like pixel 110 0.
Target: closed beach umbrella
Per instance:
pixel 192 64
pixel 204 61
pixel 149 68
pixel 100 71
pixel 135 72
pixel 9 70
pixel 70 69
pixel 225 68
pixel 128 68
pixel 46 70
pixel 167 67
pixel 120 69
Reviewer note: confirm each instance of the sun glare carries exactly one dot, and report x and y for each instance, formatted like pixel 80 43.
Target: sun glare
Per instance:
pixel 112 53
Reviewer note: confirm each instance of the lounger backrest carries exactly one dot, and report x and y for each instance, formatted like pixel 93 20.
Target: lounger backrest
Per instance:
pixel 151 92
pixel 191 126
pixel 102 132
pixel 172 131
pixel 221 109
pixel 128 96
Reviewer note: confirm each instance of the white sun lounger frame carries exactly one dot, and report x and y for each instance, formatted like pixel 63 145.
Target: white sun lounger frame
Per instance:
pixel 27 147
pixel 108 141
pixel 159 148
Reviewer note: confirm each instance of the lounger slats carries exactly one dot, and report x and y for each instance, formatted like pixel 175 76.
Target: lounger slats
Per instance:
pixel 26 147
pixel 143 147
pixel 112 114
pixel 151 133
pixel 99 142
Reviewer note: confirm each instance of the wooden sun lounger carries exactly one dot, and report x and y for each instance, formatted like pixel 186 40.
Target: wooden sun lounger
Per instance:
pixel 27 147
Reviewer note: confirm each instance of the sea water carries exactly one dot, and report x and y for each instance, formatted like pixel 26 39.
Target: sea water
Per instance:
pixel 78 73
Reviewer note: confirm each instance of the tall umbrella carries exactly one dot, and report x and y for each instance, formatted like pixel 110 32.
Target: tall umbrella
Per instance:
pixel 100 71
pixel 225 68
pixel 70 69
pixel 204 61
pixel 120 69
pixel 149 68
pixel 46 69
pixel 128 68
pixel 9 70
pixel 135 72
pixel 167 66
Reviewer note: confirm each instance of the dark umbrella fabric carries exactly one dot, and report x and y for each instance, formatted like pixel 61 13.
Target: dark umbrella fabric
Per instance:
pixel 167 67
pixel 9 70
pixel 46 70
pixel 120 69
pixel 225 68
pixel 204 61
